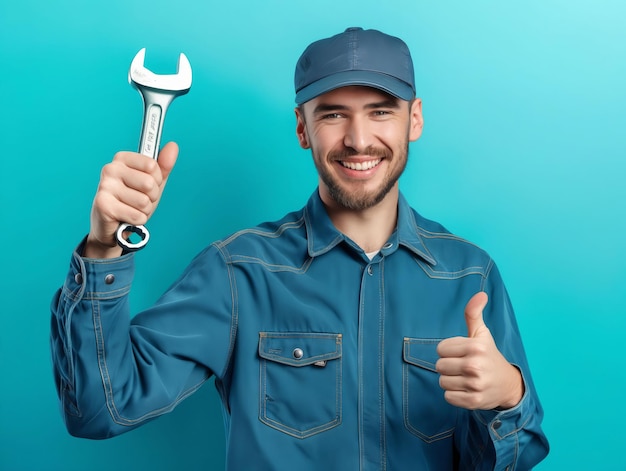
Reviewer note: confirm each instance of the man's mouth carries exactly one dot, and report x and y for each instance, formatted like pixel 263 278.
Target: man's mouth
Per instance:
pixel 367 165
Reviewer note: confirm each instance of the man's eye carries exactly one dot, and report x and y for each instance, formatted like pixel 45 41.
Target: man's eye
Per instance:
pixel 331 116
pixel 381 112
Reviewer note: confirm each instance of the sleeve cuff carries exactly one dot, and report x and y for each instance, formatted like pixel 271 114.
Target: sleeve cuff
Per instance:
pixel 502 423
pixel 91 278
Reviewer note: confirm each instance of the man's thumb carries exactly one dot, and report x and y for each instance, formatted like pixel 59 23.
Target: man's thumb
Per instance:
pixel 474 314
pixel 167 158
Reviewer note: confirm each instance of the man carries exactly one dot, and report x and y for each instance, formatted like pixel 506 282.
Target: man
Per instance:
pixel 352 334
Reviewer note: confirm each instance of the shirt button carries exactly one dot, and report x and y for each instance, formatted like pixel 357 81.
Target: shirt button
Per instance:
pixel 388 245
pixel 109 279
pixel 298 353
pixel 370 270
pixel 497 424
pixel 78 278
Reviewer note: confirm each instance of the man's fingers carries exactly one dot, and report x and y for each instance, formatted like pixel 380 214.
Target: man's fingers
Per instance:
pixel 139 182
pixel 167 159
pixel 453 383
pixel 134 171
pixel 474 314
pixel 448 367
pixel 464 399
pixel 121 181
pixel 130 189
pixel 115 210
pixel 453 347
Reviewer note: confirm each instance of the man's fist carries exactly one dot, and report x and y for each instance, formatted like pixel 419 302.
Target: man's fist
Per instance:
pixel 129 191
pixel 474 374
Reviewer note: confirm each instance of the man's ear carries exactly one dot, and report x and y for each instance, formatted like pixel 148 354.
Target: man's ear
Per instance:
pixel 301 129
pixel 416 120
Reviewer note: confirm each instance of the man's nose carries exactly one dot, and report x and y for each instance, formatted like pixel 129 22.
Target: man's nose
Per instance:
pixel 357 134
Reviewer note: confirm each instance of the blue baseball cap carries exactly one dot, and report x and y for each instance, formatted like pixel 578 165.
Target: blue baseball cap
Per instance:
pixel 355 57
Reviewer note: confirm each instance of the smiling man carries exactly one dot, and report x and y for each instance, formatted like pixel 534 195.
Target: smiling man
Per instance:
pixel 359 138
pixel 351 334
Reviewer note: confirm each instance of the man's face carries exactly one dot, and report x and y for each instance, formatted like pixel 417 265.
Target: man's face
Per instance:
pixel 359 139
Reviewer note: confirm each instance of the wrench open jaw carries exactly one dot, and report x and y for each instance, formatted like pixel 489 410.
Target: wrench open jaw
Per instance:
pixel 157 92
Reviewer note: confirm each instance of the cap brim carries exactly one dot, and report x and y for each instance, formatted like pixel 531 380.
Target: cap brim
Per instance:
pixel 383 82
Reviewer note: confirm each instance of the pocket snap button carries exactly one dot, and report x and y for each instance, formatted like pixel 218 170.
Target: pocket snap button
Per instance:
pixel 298 353
pixel 78 278
pixel 109 279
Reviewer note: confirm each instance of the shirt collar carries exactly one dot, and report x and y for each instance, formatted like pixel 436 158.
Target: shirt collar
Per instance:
pixel 322 235
pixel 408 231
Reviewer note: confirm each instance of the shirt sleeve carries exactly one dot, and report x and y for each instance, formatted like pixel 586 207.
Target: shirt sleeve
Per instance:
pixel 114 373
pixel 509 439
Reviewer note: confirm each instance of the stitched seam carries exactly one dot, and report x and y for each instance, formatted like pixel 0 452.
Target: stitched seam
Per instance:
pixel 512 432
pixel 67 327
pixel 381 360
pixel 443 235
pixel 272 235
pixel 360 373
pixel 270 266
pixel 108 384
pixel 275 423
pixel 105 295
pixel 406 393
pixel 486 275
pixel 234 322
pixel 434 274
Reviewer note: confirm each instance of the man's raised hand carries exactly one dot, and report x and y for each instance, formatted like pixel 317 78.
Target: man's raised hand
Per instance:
pixel 129 190
pixel 474 374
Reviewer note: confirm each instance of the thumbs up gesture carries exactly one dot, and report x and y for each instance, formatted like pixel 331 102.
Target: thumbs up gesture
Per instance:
pixel 473 372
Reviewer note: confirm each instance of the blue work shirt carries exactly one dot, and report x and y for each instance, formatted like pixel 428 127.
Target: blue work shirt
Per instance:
pixel 323 358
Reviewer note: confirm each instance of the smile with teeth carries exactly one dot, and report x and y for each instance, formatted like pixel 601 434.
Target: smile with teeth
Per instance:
pixel 361 165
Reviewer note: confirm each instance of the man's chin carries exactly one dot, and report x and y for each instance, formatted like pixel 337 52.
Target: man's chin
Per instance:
pixel 357 200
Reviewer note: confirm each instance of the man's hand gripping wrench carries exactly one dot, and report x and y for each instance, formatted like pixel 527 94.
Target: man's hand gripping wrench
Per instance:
pixel 157 92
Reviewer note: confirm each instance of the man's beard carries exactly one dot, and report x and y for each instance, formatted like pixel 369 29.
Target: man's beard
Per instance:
pixel 360 199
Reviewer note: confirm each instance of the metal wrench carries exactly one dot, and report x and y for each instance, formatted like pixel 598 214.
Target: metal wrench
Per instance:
pixel 157 92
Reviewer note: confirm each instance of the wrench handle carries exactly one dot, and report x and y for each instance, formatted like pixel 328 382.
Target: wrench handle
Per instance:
pixel 151 131
pixel 155 107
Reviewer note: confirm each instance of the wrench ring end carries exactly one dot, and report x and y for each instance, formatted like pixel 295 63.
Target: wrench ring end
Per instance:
pixel 126 244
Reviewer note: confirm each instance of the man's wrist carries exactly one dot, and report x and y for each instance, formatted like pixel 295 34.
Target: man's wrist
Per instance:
pixel 517 389
pixel 95 249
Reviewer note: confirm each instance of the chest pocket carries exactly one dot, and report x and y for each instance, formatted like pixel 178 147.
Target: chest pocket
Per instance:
pixel 426 412
pixel 300 382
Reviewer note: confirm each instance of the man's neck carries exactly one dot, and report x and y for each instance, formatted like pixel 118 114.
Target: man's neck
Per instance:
pixel 371 228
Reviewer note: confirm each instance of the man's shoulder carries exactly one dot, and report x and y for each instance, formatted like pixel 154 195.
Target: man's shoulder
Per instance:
pixel 450 251
pixel 270 241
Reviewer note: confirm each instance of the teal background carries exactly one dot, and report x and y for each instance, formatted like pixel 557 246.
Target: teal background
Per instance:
pixel 523 153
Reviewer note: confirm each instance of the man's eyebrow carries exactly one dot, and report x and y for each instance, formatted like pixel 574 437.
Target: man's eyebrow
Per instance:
pixel 325 108
pixel 386 103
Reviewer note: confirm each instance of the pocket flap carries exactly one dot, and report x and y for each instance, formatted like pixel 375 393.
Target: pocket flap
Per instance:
pixel 421 352
pixel 299 348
